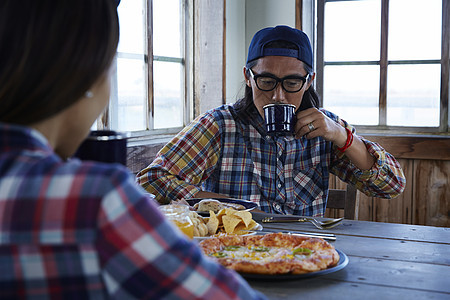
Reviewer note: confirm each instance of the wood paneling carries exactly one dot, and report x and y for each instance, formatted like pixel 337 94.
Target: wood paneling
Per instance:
pixel 413 146
pixel 431 196
pixel 397 210
pixel 138 157
pixel 365 207
pixel 425 201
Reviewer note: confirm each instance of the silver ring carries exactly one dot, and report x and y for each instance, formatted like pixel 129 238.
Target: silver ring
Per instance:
pixel 311 127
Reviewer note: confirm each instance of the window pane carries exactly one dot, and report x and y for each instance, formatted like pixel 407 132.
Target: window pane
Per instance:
pixel 352 30
pixel 168 94
pixel 352 93
pixel 414 29
pixel 132 24
pixel 167 28
pixel 413 95
pixel 132 94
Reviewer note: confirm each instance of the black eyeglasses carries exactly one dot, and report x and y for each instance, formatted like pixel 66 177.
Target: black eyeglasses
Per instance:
pixel 268 82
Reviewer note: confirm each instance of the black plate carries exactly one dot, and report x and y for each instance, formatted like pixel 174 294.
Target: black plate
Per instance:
pixel 249 205
pixel 343 261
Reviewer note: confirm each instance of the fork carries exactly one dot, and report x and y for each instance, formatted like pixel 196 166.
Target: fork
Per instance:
pixel 327 224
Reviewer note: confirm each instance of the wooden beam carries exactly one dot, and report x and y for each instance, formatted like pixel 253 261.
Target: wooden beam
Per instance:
pixel 414 147
pixel 224 51
pixel 383 62
pixel 149 71
pixel 445 73
pixel 320 50
pixel 298 14
pixel 208 54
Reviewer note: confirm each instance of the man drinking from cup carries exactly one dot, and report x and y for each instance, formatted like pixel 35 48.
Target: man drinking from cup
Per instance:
pixel 229 152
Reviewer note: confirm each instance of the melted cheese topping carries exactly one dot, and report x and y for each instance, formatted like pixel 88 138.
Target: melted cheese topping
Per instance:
pixel 260 254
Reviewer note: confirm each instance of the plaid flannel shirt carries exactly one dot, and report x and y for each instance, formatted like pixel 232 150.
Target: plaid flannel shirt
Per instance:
pixel 85 230
pixel 223 153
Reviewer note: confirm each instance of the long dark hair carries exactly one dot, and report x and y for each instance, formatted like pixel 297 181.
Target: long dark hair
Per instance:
pixel 310 97
pixel 51 53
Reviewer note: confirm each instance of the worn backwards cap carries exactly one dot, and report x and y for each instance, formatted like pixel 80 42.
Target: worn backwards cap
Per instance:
pixel 281 33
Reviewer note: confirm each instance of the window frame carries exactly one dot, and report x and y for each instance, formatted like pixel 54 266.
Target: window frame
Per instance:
pixel 105 121
pixel 444 123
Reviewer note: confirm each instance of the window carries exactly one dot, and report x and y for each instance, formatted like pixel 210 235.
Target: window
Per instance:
pixel 148 89
pixel 380 62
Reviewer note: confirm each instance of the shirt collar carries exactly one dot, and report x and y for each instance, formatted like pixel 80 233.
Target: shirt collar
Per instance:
pixel 13 136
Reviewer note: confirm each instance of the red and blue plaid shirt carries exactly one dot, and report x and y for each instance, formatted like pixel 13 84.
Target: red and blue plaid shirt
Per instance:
pixel 85 230
pixel 228 154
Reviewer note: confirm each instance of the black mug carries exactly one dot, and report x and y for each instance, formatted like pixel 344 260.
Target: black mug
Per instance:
pixel 104 146
pixel 280 119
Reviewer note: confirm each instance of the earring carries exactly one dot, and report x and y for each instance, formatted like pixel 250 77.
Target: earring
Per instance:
pixel 89 94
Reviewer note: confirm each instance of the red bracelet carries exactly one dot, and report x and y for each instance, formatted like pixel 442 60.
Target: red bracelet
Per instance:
pixel 348 142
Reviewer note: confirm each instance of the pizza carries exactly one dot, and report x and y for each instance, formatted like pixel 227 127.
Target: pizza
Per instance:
pixel 272 253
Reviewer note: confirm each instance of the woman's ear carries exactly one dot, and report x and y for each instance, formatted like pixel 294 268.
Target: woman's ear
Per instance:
pixel 247 80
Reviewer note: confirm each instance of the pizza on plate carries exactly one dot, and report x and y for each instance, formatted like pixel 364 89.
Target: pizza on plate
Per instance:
pixel 272 253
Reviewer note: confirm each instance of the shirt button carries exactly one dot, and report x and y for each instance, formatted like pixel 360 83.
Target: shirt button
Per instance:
pixel 267 137
pixel 279 185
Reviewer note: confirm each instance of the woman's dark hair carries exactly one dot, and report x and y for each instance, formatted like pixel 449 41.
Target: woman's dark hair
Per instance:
pixel 51 53
pixel 310 97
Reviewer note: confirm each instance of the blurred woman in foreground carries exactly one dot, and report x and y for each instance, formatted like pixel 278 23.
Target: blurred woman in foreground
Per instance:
pixel 72 229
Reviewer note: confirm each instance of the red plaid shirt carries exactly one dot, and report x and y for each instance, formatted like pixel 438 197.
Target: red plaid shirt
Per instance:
pixel 85 230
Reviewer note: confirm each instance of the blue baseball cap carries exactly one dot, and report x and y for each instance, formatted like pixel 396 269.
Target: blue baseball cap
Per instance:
pixel 281 33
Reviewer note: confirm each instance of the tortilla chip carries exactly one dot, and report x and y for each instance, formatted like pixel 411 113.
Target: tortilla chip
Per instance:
pixel 241 228
pixel 230 211
pixel 213 223
pixel 252 225
pixel 230 223
pixel 245 216
pixel 220 214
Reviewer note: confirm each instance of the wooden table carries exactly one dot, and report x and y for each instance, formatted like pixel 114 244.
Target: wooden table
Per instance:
pixel 386 261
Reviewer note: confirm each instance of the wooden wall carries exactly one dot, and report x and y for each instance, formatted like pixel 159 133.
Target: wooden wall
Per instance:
pixel 426 199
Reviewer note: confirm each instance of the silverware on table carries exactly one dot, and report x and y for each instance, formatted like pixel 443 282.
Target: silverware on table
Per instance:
pixel 327 224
